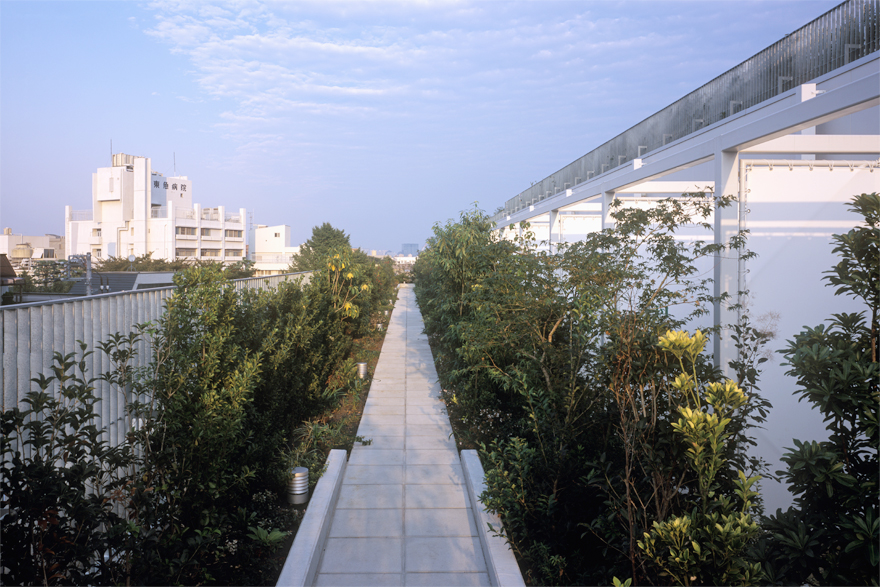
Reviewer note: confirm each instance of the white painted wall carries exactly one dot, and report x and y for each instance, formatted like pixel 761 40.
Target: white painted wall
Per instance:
pixel 272 250
pixel 793 214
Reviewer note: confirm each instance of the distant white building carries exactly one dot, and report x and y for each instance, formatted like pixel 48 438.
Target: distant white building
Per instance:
pixel 404 263
pixel 136 211
pixel 272 251
pixel 21 249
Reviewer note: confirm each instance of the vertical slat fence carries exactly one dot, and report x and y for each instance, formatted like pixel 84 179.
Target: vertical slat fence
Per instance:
pixel 33 333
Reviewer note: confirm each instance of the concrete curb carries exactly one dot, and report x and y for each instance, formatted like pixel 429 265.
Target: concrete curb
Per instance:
pixel 302 561
pixel 503 568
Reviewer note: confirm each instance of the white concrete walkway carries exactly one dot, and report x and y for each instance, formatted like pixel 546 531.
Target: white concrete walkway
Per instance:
pixel 403 515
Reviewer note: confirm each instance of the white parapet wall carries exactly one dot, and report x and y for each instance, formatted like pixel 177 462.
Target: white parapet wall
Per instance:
pixel 301 565
pixel 500 561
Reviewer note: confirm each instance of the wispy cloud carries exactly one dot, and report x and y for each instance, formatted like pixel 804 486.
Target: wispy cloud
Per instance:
pixel 399 69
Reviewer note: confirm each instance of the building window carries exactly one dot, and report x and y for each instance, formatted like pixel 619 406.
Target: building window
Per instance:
pixel 186 252
pixel 277 234
pixel 185 230
pixel 206 232
pixel 96 232
pixel 210 252
pixel 233 252
pixel 233 234
pixel 97 253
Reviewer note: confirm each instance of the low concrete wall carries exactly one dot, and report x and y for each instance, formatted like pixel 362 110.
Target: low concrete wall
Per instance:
pixel 500 561
pixel 304 557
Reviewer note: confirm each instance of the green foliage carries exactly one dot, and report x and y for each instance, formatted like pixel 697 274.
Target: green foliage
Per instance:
pixel 551 362
pixel 59 485
pixel 239 269
pixel 708 544
pixel 267 538
pixel 204 382
pixel 212 424
pixel 46 276
pixel 146 262
pixel 345 279
pixel 324 242
pixel 831 535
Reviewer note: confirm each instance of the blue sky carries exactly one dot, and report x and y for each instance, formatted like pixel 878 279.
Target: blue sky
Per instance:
pixel 379 117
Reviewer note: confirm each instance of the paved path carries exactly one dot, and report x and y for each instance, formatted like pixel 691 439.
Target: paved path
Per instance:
pixel 403 515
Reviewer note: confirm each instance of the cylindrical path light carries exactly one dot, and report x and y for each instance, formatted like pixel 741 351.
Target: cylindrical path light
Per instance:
pixel 298 486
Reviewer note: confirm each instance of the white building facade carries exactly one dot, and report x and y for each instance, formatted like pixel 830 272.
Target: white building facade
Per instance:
pixel 22 249
pixel 272 251
pixel 136 211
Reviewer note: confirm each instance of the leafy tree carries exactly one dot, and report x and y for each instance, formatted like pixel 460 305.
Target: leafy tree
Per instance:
pixel 239 269
pixel 832 533
pixel 144 262
pixel 235 373
pixel 324 240
pixel 46 276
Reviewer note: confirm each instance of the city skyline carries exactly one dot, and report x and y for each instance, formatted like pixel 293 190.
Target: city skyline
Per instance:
pixel 381 118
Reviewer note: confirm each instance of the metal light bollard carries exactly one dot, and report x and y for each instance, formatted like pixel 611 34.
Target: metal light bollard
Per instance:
pixel 298 486
pixel 362 370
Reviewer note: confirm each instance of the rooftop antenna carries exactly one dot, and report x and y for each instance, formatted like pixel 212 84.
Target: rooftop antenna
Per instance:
pixel 111 151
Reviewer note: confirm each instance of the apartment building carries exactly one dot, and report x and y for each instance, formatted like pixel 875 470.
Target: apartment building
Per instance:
pixel 136 210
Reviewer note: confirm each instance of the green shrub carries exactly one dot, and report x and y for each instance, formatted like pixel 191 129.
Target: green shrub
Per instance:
pixel 211 424
pixel 551 361
pixel 60 485
pixel 708 545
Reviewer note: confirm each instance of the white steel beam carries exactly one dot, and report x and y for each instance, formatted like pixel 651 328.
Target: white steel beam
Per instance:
pixel 837 144
pixel 800 108
pixel 853 97
pixel 668 187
